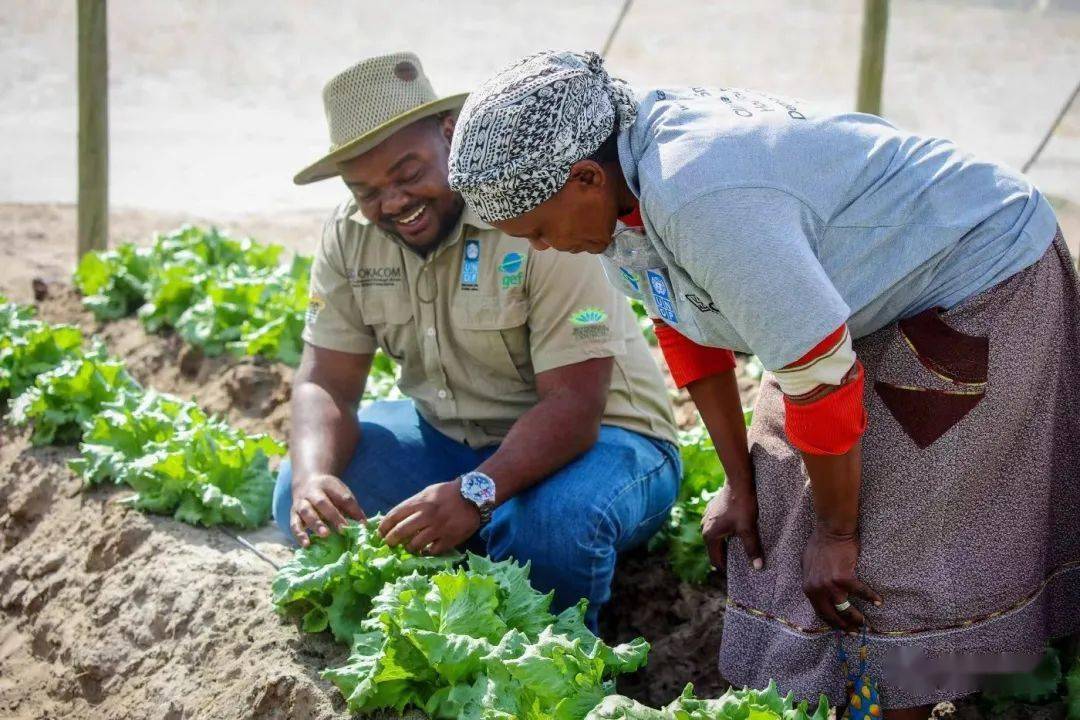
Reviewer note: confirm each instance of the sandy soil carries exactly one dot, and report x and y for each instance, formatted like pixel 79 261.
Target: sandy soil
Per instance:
pixel 109 613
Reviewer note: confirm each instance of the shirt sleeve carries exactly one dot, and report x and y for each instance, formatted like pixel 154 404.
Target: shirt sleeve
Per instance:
pixel 574 314
pixel 688 361
pixel 333 319
pixel 751 250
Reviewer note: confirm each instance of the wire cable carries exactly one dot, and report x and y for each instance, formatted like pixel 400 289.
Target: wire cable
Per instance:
pixel 1053 128
pixel 615 28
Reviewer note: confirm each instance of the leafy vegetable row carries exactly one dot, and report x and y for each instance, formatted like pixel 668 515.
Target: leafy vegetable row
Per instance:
pixel 218 293
pixel 470 638
pixel 457 637
pixel 179 460
pixel 743 704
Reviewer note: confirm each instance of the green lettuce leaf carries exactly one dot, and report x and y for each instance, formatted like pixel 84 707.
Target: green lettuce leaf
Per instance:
pixel 29 348
pixel 477 642
pixel 337 577
pixel 63 399
pixel 744 704
pixel 179 460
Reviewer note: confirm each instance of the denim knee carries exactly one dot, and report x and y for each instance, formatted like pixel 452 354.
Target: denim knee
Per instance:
pixel 282 505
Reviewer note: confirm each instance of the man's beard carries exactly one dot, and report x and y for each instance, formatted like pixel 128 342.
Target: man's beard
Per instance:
pixel 446 226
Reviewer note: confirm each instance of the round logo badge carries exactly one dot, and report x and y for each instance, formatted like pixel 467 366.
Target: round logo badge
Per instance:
pixel 511 263
pixel 472 251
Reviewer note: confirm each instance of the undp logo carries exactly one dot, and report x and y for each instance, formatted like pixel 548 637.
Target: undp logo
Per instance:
pixel 511 263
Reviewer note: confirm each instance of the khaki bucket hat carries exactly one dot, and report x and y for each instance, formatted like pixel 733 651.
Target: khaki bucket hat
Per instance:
pixel 368 103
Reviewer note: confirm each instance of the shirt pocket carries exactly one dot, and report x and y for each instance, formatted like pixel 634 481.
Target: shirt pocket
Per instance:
pixel 493 334
pixel 390 316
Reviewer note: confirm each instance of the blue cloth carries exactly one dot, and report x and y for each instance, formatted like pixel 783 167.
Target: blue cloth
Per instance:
pixel 571 525
pixel 784 222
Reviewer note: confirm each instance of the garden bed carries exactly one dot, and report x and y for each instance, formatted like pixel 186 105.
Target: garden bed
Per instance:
pixel 111 613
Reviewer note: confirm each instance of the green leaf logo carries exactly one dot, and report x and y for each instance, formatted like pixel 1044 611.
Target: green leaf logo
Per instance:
pixel 588 316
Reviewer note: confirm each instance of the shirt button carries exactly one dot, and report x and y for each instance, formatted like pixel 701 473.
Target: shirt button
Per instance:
pixel 442 394
pixel 431 332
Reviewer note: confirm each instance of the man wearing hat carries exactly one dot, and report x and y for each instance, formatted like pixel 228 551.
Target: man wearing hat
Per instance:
pixel 537 424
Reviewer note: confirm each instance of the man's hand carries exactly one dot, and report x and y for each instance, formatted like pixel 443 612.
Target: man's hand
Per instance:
pixel 321 502
pixel 829 580
pixel 434 521
pixel 732 512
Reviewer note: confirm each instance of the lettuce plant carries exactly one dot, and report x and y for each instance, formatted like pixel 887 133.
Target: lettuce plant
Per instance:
pixel 744 704
pixel 179 460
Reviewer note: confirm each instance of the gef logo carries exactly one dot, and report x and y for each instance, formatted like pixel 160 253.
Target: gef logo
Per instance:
pixel 511 270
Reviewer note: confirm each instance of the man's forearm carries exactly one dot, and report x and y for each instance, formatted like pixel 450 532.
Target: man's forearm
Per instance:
pixel 324 431
pixel 542 441
pixel 717 400
pixel 835 481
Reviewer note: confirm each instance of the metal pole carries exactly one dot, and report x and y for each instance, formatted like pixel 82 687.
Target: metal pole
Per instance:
pixel 872 61
pixel 93 127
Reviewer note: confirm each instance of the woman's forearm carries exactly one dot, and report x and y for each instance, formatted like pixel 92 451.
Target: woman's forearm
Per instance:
pixel 835 481
pixel 717 400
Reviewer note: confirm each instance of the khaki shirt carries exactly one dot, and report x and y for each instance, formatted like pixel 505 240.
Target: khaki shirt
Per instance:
pixel 473 323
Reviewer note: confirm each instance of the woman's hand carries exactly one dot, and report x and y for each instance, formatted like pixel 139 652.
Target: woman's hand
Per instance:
pixel 732 512
pixel 829 579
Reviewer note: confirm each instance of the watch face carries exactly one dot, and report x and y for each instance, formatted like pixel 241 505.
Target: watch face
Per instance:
pixel 478 488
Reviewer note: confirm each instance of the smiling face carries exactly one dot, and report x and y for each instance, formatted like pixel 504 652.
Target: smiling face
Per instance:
pixel 401 186
pixel 580 217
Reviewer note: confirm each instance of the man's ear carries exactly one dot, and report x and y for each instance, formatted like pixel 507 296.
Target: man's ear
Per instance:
pixel 589 173
pixel 447 124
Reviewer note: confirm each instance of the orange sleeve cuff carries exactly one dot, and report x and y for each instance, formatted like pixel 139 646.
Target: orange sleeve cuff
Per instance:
pixel 829 425
pixel 687 360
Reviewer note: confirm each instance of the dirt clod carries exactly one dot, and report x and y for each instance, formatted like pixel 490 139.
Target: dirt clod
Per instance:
pixel 40 289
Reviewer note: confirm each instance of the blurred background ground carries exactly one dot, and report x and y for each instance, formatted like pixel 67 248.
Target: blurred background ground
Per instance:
pixel 214 106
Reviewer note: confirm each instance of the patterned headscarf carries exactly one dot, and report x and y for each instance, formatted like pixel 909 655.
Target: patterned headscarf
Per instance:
pixel 518 135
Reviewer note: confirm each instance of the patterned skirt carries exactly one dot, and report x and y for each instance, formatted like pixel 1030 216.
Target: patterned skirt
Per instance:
pixel 970 504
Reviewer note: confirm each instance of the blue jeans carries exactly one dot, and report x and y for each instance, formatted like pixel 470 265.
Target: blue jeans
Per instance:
pixel 570 526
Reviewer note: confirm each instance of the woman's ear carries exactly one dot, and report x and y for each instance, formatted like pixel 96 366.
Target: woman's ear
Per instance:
pixel 588 172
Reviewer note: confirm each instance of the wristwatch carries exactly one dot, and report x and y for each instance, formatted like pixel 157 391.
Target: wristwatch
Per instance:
pixel 479 489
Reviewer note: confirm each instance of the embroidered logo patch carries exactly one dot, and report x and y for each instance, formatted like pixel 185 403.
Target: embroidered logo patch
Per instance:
pixel 470 265
pixel 588 316
pixel 511 269
pixel 661 293
pixel 590 323
pixel 314 307
pixel 375 277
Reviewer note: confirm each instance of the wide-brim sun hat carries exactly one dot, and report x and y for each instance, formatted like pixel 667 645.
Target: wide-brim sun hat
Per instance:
pixel 369 102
